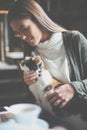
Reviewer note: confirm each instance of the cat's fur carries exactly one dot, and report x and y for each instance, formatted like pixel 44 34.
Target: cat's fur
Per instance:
pixel 43 84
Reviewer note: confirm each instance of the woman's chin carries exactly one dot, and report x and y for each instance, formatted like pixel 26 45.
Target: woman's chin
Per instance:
pixel 33 43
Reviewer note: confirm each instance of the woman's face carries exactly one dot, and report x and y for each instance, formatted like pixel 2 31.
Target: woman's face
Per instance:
pixel 28 31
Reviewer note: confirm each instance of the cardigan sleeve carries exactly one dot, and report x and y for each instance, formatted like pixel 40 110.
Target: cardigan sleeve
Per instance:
pixel 81 86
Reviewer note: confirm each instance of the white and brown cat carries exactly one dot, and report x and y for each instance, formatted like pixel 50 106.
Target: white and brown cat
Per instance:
pixel 43 84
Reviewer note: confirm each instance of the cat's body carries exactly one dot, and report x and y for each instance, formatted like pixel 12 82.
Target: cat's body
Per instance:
pixel 43 84
pixel 38 90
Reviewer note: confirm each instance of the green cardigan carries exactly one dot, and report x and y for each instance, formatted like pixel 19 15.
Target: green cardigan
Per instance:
pixel 76 49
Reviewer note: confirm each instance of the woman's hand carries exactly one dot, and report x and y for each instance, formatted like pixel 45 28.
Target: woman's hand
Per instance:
pixel 30 77
pixel 61 96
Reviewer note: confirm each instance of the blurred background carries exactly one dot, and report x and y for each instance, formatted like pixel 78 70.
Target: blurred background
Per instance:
pixel 71 14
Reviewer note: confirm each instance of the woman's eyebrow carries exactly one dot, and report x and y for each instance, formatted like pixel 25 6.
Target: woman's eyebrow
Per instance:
pixel 19 29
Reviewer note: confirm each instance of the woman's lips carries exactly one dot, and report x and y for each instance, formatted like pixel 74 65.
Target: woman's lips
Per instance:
pixel 29 39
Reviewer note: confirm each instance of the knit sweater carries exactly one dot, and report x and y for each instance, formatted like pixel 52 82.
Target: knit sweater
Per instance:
pixel 53 54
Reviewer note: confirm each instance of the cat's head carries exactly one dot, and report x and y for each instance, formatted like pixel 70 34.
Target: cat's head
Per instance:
pixel 32 63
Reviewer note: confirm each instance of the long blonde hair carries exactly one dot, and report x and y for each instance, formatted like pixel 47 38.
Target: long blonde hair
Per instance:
pixel 36 10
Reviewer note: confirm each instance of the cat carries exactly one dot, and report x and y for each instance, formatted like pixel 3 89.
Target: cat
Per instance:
pixel 43 84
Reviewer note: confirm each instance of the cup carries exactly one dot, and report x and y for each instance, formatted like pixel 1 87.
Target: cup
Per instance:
pixel 25 113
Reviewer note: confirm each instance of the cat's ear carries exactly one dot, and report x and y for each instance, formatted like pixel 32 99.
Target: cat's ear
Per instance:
pixel 37 59
pixel 27 58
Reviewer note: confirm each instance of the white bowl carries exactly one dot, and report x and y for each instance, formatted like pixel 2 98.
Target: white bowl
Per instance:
pixel 25 113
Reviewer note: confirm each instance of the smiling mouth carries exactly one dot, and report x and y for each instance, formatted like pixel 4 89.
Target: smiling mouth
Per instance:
pixel 29 39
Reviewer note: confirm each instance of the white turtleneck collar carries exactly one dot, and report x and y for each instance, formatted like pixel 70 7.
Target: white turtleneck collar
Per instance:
pixel 53 54
pixel 55 38
pixel 51 48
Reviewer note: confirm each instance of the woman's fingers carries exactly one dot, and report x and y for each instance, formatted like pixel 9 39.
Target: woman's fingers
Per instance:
pixel 61 102
pixel 61 96
pixel 30 77
pixel 57 99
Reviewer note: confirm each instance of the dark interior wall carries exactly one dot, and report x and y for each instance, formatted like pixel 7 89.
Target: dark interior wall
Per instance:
pixel 5 4
pixel 12 88
pixel 72 14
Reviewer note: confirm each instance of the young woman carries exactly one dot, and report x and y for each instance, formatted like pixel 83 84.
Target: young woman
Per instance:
pixel 64 54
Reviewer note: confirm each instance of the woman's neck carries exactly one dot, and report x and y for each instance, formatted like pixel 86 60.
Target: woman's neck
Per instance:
pixel 46 35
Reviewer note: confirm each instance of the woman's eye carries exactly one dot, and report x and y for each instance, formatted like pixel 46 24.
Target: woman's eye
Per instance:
pixel 24 30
